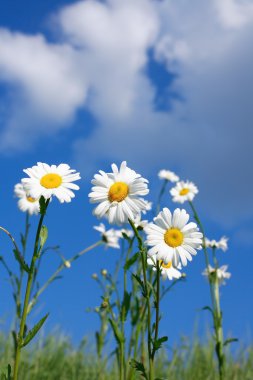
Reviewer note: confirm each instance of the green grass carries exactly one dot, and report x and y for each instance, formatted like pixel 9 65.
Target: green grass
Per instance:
pixel 55 358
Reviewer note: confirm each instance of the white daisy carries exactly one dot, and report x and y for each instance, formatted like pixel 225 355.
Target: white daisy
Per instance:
pixel 168 175
pixel 183 191
pixel 148 206
pixel 222 273
pixel 118 194
pixel 46 181
pixel 110 237
pixel 221 244
pixel 26 203
pixel 167 270
pixel 171 238
pixel 139 223
pixel 125 231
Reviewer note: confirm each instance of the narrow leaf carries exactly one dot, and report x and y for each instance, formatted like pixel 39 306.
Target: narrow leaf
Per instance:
pixel 21 261
pixel 31 334
pixel 117 333
pixel 125 305
pixel 158 343
pixel 139 367
pixel 230 340
pixel 131 261
pixel 43 236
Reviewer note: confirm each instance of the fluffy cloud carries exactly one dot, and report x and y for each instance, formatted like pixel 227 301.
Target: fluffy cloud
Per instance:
pixel 101 64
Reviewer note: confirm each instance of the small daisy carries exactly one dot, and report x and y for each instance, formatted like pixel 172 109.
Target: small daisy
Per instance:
pixel 148 206
pixel 221 244
pixel 125 231
pixel 110 237
pixel 26 203
pixel 171 238
pixel 139 223
pixel 118 194
pixel 167 270
pixel 168 175
pixel 222 273
pixel 46 181
pixel 183 191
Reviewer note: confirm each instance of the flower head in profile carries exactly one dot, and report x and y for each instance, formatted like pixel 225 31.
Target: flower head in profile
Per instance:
pixel 168 175
pixel 172 238
pixel 45 180
pixel 221 244
pixel 110 237
pixel 221 274
pixel 118 194
pixel 167 270
pixel 26 203
pixel 183 191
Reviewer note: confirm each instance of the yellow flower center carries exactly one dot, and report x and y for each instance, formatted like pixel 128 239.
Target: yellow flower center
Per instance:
pixel 166 266
pixel 173 237
pixel 118 192
pixel 31 199
pixel 184 191
pixel 51 181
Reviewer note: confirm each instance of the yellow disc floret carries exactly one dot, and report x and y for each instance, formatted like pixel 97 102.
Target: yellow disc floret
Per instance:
pixel 173 237
pixel 166 266
pixel 184 191
pixel 51 181
pixel 118 192
pixel 31 199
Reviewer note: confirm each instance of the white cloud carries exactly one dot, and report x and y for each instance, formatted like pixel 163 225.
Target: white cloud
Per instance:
pixel 101 64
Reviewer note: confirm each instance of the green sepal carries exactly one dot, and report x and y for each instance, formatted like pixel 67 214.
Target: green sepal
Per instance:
pixel 31 334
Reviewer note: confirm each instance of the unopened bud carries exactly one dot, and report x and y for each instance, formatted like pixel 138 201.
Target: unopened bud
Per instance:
pixel 67 264
pixel 104 305
pixel 104 272
pixel 95 276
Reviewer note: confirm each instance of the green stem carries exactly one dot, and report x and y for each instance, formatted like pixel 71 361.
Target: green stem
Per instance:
pixel 27 294
pixel 142 250
pixel 157 306
pixel 60 268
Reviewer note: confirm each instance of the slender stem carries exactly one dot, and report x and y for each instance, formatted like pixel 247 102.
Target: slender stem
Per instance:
pixel 27 294
pixel 58 270
pixel 142 250
pixel 157 305
pixel 160 196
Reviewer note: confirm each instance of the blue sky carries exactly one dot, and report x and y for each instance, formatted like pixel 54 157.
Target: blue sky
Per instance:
pixel 161 84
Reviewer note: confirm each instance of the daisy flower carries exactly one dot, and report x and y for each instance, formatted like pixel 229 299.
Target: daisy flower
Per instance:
pixel 172 238
pixel 45 180
pixel 118 194
pixel 110 237
pixel 168 175
pixel 125 231
pixel 167 270
pixel 139 223
pixel 26 203
pixel 221 244
pixel 148 206
pixel 221 273
pixel 183 191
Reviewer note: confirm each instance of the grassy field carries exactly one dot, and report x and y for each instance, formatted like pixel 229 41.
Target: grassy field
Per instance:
pixel 55 358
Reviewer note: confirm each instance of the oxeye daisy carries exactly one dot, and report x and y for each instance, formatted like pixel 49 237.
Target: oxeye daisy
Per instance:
pixel 221 274
pixel 26 203
pixel 110 237
pixel 172 238
pixel 118 194
pixel 167 270
pixel 45 180
pixel 183 191
pixel 168 175
pixel 221 244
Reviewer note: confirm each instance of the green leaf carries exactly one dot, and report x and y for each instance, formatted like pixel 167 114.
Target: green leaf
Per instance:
pixel 125 305
pixel 43 205
pixel 117 333
pixel 209 309
pixel 21 261
pixel 43 236
pixel 158 343
pixel 139 367
pixel 31 334
pixel 131 261
pixel 230 340
pixel 141 283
